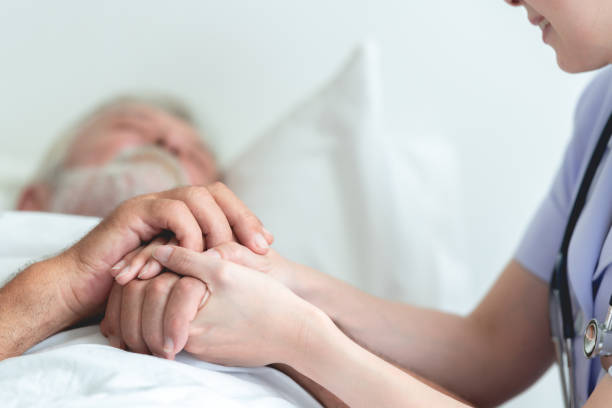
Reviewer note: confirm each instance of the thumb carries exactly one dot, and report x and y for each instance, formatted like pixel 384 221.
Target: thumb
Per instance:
pixel 186 262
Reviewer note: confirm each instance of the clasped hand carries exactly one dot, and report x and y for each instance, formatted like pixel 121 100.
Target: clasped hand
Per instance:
pixel 222 305
pixel 240 316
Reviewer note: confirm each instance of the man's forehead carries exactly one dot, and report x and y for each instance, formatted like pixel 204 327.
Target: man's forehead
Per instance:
pixel 129 111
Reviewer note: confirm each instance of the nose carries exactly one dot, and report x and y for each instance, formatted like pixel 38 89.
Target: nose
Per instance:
pixel 514 2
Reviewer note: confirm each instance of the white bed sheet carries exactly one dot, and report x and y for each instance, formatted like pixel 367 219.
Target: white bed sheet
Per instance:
pixel 78 368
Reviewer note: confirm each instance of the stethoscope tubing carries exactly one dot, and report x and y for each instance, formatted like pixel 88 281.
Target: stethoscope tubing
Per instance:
pixel 563 331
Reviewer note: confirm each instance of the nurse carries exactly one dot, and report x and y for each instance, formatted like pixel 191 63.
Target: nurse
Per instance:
pixel 334 333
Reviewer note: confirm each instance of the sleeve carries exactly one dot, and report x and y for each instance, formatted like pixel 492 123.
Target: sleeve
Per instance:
pixel 538 247
pixel 541 241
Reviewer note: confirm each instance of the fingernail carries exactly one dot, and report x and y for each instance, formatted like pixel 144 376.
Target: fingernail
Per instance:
pixel 125 271
pixel 213 253
pixel 261 242
pixel 168 346
pixel 204 299
pixel 147 268
pixel 162 253
pixel 118 266
pixel 266 231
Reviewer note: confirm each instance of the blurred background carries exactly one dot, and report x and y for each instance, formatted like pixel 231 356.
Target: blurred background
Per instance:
pixel 475 74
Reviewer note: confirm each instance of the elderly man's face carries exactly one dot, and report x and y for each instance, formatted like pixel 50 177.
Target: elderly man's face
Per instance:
pixel 113 131
pixel 123 151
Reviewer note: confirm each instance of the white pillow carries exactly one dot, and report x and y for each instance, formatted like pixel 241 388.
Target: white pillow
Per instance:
pixel 322 181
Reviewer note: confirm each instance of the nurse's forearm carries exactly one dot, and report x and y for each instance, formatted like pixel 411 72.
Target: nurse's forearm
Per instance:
pixel 329 400
pixel 31 308
pixel 322 395
pixel 358 377
pixel 485 358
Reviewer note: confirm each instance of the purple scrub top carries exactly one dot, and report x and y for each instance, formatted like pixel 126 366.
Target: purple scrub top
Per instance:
pixel 590 250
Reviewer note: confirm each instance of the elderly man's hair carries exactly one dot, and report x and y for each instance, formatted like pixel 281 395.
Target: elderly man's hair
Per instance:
pixel 55 157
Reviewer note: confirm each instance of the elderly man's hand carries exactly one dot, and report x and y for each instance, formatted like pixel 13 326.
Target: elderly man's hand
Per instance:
pixel 222 217
pixel 87 280
pixel 194 216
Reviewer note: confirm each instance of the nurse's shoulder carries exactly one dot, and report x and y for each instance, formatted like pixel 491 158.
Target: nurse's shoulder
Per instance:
pixel 590 116
pixel 595 101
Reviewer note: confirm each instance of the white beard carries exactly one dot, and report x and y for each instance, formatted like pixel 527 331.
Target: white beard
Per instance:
pixel 96 191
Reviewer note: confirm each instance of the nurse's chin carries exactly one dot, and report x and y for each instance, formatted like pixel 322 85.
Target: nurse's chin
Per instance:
pixel 575 65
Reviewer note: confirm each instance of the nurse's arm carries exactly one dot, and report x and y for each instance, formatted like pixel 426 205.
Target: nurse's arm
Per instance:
pixel 487 357
pixel 602 395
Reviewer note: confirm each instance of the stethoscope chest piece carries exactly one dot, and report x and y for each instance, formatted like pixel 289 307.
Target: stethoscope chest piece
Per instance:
pixel 598 336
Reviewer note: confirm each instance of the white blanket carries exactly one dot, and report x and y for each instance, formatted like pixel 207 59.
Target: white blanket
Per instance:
pixel 78 368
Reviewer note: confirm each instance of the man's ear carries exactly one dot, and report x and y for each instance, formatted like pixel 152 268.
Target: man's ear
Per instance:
pixel 34 197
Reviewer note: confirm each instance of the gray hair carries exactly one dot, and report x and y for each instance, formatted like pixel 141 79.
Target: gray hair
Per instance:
pixel 53 160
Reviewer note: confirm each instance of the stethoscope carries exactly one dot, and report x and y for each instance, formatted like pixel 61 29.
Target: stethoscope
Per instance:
pixel 597 336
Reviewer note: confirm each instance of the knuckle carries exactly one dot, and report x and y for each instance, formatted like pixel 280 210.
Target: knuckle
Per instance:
pixel 157 287
pixel 220 229
pixel 197 194
pixel 167 206
pixel 179 190
pixel 175 206
pixel 224 251
pixel 182 261
pixel 188 284
pixel 154 343
pixel 233 248
pixel 131 338
pixel 133 288
pixel 224 275
pixel 175 325
pixel 230 251
pixel 217 187
pixel 249 219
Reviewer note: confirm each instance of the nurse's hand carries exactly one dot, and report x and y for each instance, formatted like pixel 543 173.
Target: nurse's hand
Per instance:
pixel 142 315
pixel 249 319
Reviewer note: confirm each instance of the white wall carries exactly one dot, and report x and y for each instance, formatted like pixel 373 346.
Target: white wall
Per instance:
pixel 473 72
